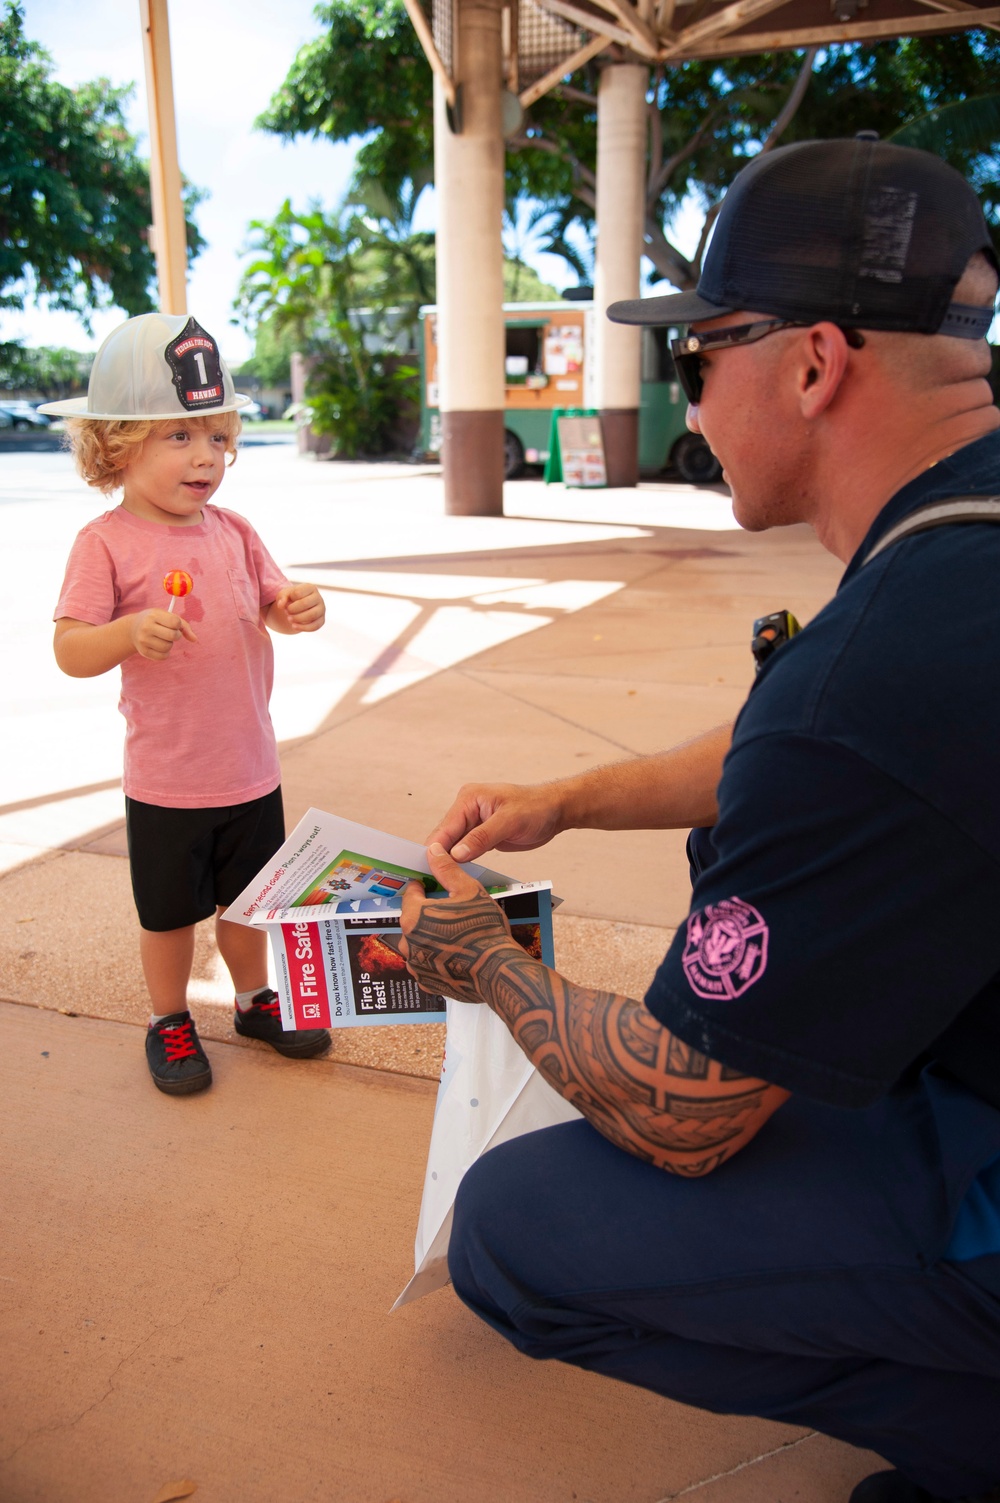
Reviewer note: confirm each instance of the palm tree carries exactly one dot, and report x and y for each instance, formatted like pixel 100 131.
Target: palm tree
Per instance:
pixel 395 262
pixel 968 127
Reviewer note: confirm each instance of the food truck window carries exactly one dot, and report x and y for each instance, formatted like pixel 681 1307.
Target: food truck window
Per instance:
pixel 657 363
pixel 524 342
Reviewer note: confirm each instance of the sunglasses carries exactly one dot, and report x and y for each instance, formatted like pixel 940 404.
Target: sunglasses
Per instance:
pixel 688 351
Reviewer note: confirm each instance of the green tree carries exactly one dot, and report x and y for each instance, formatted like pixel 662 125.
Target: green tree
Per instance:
pixel 966 132
pixel 899 87
pixel 708 118
pixel 313 272
pixel 345 288
pixel 51 372
pixel 365 75
pixel 305 274
pixel 395 262
pixel 270 363
pixel 74 193
pixel 522 284
pixel 309 279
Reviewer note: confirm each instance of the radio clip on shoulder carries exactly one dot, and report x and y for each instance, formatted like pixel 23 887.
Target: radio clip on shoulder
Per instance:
pixel 769 633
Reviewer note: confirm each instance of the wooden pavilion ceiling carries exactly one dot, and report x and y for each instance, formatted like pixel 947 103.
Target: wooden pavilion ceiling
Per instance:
pixel 675 31
pixel 546 40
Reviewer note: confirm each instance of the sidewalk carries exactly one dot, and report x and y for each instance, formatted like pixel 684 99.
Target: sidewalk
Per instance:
pixel 199 1288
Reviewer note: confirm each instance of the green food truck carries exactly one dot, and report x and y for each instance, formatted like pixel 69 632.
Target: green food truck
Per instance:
pixel 549 364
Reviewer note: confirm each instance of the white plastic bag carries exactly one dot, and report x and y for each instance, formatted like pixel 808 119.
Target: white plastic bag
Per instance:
pixel 489 1092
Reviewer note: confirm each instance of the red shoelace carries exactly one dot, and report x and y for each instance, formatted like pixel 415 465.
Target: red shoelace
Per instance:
pixel 272 1005
pixel 178 1043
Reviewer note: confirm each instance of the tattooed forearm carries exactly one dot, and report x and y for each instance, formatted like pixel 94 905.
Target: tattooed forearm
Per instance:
pixel 629 1076
pixel 644 1089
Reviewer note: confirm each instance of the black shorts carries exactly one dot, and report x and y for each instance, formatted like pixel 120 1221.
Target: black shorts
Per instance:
pixel 186 862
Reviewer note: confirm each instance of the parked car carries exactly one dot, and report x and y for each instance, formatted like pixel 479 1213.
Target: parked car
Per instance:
pixel 6 421
pixel 253 412
pixel 23 415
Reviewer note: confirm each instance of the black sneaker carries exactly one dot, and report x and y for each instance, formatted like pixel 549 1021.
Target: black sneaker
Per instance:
pixel 176 1060
pixel 892 1487
pixel 262 1020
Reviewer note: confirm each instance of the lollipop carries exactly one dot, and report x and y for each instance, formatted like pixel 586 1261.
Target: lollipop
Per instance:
pixel 177 584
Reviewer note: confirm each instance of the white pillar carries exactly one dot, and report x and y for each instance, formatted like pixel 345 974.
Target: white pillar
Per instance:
pixel 468 175
pixel 622 127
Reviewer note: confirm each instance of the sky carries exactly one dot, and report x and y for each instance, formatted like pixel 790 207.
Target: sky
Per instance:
pixel 228 59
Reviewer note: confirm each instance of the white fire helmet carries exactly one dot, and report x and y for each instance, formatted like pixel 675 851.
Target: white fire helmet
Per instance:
pixel 159 365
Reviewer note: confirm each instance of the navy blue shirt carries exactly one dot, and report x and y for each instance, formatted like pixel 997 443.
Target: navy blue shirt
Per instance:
pixel 845 924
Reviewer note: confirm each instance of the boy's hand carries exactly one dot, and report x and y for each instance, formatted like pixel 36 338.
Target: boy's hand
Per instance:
pixel 155 631
pixel 297 607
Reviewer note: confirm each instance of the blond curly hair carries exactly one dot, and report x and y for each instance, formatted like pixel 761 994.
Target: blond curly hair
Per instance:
pixel 103 448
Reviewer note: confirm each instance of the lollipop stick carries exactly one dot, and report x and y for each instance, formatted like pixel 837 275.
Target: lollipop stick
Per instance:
pixel 173 602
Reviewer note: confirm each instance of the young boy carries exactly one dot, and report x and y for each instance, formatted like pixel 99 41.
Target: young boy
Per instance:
pixel 202 783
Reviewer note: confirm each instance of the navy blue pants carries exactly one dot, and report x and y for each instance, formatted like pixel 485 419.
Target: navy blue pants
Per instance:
pixel 803 1281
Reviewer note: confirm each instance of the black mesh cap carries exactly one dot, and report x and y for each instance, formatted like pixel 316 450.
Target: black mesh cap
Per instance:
pixel 859 232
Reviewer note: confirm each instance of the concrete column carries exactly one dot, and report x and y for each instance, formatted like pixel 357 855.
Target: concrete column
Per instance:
pixel 621 190
pixel 468 176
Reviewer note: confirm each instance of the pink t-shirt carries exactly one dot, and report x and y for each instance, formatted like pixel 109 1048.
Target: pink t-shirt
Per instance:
pixel 199 734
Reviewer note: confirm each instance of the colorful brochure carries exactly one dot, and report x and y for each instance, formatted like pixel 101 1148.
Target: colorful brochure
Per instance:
pixel 330 900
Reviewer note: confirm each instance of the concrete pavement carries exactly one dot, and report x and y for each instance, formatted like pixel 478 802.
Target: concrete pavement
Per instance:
pixel 150 1241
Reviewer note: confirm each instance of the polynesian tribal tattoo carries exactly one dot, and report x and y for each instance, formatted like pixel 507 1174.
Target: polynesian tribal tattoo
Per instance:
pixel 645 1090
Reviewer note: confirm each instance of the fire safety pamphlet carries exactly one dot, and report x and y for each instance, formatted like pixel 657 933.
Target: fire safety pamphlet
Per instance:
pixel 330 900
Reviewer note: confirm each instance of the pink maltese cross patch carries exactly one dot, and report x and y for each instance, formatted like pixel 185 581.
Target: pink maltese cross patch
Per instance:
pixel 726 949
